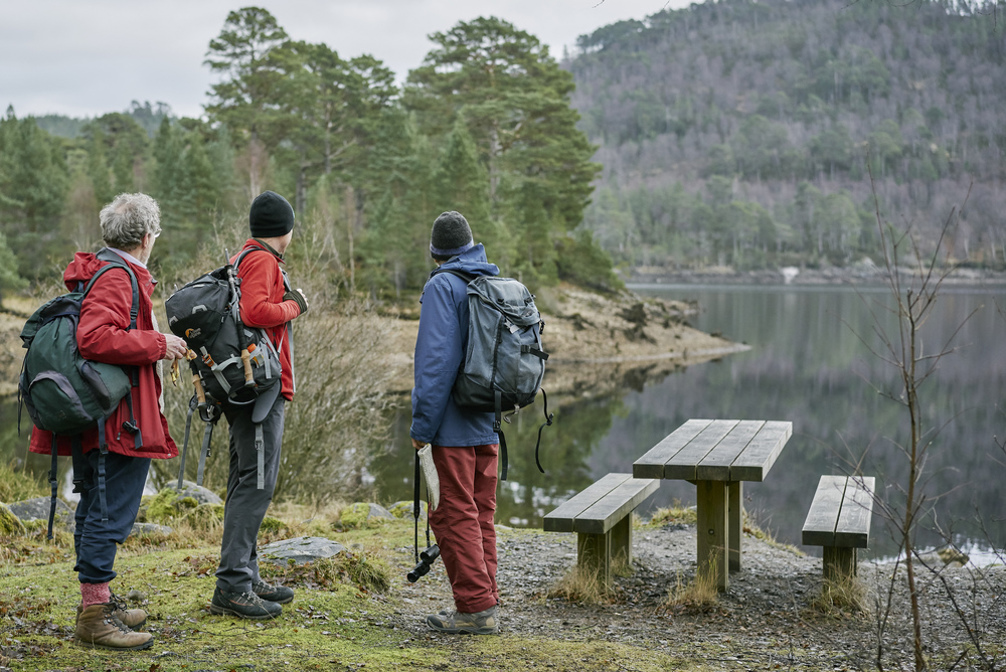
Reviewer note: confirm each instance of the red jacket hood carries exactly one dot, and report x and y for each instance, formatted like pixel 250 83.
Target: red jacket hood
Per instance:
pixel 86 264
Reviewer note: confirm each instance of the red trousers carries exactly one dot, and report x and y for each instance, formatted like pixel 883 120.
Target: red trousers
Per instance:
pixel 463 523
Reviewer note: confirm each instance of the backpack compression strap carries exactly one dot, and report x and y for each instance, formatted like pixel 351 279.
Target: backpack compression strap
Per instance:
pixel 115 261
pixel 498 428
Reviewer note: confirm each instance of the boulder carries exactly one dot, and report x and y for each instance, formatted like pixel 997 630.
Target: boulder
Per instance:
pixel 38 509
pixel 149 529
pixel 197 492
pixel 300 550
pixel 363 514
pixel 10 524
pixel 406 509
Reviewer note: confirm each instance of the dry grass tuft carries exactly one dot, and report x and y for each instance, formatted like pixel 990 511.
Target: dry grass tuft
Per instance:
pixel 675 514
pixel 839 596
pixel 580 586
pixel 700 595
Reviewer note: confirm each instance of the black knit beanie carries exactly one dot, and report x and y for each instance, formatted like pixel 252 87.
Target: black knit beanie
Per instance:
pixel 451 235
pixel 270 216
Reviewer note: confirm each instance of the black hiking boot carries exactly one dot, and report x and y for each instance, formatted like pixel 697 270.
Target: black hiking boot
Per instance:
pixel 271 593
pixel 245 605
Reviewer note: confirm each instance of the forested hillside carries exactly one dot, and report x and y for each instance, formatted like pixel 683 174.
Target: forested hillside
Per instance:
pixel 483 125
pixel 750 134
pixel 732 133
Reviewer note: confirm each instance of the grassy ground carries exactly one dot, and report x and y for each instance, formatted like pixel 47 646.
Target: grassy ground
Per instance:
pixel 343 618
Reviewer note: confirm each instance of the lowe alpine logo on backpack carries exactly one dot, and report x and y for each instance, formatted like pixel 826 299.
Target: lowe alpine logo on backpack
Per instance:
pixel 504 362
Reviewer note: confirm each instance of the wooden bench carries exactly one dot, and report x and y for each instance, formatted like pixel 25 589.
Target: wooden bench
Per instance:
pixel 601 515
pixel 839 520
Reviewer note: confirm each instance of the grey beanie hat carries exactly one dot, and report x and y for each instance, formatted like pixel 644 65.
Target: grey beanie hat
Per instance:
pixel 451 235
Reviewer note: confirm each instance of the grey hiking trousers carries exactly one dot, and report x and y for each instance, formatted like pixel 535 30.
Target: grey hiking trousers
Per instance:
pixel 246 504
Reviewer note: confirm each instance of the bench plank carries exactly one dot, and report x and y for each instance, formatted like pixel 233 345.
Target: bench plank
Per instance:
pixel 819 528
pixel 651 465
pixel 683 463
pixel 715 466
pixel 853 527
pixel 762 452
pixel 613 507
pixel 562 518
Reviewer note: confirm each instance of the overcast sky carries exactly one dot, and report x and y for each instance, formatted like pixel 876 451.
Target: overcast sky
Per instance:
pixel 88 58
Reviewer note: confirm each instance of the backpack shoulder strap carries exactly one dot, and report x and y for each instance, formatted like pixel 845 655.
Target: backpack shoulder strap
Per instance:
pixel 467 277
pixel 115 261
pixel 246 251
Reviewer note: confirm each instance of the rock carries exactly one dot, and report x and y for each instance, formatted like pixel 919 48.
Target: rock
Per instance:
pixel 300 550
pixel 149 529
pixel 951 557
pixel 362 513
pixel 38 509
pixel 405 509
pixel 197 492
pixel 10 524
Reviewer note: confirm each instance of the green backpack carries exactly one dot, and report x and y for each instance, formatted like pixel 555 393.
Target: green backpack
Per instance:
pixel 64 393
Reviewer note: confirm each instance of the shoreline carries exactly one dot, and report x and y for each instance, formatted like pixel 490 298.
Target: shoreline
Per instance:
pixel 862 274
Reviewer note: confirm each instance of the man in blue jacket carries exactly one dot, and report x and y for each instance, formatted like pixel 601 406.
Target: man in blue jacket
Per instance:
pixel 465 447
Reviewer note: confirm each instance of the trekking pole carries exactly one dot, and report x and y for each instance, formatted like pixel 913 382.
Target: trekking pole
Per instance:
pixel 233 281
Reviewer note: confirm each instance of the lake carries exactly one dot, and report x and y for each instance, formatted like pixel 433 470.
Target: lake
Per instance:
pixel 811 363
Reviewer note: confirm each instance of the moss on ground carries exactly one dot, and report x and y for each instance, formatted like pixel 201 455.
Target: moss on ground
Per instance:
pixel 10 524
pixel 343 617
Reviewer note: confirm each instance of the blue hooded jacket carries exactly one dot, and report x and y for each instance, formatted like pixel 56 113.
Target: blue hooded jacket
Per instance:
pixel 440 353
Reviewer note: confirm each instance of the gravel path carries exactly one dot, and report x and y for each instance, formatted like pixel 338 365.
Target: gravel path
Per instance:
pixel 765 620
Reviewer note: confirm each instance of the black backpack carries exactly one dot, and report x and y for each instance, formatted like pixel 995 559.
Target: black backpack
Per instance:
pixel 66 394
pixel 233 364
pixel 504 362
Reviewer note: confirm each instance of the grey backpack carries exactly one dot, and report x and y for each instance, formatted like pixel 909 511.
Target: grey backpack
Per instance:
pixel 504 362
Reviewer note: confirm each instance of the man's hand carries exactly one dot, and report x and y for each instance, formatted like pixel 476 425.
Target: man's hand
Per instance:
pixel 417 444
pixel 298 296
pixel 174 347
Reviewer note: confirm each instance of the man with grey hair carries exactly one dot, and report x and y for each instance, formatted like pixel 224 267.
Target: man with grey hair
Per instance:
pixel 112 461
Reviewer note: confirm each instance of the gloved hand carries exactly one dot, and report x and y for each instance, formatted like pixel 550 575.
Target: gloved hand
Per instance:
pixel 298 296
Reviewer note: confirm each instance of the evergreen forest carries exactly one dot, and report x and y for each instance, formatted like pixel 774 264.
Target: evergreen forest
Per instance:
pixel 739 134
pixel 483 125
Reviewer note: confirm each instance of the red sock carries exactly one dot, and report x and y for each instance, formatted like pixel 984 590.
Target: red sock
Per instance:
pixel 94 593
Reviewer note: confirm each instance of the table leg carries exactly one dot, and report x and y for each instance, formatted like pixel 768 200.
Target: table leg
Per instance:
pixel 712 507
pixel 736 489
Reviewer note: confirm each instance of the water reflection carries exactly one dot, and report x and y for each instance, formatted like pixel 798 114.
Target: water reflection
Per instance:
pixel 812 362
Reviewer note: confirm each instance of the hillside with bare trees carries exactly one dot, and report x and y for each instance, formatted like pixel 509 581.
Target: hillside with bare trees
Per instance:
pixel 754 134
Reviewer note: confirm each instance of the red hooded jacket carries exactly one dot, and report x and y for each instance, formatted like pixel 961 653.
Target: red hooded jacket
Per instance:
pixel 103 335
pixel 262 304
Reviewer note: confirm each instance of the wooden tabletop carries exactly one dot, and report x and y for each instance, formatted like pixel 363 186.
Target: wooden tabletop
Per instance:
pixel 716 450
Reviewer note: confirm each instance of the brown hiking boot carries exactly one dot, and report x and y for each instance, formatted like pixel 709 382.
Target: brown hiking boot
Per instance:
pixel 131 618
pixel 98 626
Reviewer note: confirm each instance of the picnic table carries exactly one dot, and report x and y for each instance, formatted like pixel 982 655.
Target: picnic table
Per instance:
pixel 717 456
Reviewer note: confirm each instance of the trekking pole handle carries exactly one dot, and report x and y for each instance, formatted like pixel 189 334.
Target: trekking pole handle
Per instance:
pixel 246 361
pixel 200 393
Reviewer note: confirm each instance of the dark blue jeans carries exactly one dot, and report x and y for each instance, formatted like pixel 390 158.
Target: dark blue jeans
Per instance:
pixel 95 541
